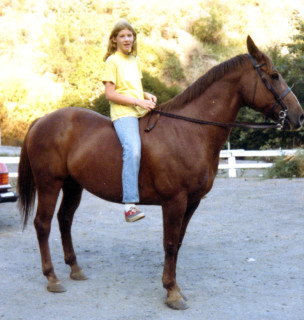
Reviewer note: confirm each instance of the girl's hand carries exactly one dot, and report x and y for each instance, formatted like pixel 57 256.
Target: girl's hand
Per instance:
pixel 149 103
pixel 145 104
pixel 150 97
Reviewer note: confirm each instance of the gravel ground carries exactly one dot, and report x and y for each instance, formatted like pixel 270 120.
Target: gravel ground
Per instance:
pixel 242 258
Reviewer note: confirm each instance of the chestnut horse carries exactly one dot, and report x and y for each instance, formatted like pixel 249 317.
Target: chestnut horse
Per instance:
pixel 73 148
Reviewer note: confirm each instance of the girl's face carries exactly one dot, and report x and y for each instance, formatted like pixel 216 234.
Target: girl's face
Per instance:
pixel 124 41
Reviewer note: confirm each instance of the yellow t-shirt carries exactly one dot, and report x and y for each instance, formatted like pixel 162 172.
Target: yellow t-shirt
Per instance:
pixel 124 71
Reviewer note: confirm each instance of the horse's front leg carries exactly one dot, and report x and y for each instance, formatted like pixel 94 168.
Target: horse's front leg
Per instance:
pixel 189 212
pixel 173 215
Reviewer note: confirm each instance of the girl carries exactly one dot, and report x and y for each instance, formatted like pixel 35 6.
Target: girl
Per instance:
pixel 123 88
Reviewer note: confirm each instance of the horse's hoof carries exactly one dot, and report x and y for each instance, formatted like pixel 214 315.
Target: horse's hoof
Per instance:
pixel 178 304
pixel 56 287
pixel 78 275
pixel 184 297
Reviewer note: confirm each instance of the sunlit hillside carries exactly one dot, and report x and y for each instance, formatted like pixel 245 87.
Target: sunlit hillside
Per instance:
pixel 51 50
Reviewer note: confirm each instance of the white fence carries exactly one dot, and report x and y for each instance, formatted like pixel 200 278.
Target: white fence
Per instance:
pixel 233 164
pixel 231 155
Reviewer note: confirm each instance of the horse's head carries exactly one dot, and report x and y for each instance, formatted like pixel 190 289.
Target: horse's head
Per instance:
pixel 268 93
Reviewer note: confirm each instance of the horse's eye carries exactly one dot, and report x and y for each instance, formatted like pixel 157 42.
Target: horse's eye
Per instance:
pixel 275 76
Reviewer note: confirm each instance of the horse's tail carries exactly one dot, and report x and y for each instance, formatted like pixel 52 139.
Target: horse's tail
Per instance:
pixel 26 185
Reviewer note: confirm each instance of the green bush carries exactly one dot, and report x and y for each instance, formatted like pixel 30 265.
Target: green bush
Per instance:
pixel 158 88
pixel 288 167
pixel 172 70
pixel 101 105
pixel 209 29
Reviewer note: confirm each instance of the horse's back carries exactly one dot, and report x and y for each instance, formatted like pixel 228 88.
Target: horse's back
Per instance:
pixel 79 143
pixel 67 129
pixel 63 122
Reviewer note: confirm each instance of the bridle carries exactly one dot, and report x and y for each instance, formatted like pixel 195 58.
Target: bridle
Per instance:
pixel 246 125
pixel 278 98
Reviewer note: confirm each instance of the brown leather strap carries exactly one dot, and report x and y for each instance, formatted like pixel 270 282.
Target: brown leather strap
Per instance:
pixel 246 125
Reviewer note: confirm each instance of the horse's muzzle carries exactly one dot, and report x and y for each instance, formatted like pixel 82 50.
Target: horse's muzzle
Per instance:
pixel 294 123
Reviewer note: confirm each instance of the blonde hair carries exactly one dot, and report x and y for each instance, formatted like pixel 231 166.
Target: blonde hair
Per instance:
pixel 112 46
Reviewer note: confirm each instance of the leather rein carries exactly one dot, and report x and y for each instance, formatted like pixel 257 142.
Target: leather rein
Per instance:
pixel 246 125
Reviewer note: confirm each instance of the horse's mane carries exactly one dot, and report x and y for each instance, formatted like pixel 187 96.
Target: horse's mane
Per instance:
pixel 202 83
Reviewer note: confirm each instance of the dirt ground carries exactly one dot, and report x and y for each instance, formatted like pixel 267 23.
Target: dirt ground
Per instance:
pixel 242 258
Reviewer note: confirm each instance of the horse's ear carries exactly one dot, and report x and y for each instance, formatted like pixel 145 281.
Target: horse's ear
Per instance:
pixel 253 49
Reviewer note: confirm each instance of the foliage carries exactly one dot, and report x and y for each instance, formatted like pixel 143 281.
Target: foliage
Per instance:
pixel 101 105
pixel 158 88
pixel 24 98
pixel 296 47
pixel 288 167
pixel 51 53
pixel 171 67
pixel 209 29
pixel 76 48
pixel 291 64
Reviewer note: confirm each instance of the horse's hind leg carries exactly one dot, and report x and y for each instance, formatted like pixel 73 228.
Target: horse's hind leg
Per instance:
pixel 71 198
pixel 47 198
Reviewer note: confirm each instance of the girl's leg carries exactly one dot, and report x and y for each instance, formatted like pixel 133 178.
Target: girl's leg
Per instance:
pixel 127 129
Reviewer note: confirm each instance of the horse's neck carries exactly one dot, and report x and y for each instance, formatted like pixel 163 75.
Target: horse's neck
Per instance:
pixel 219 103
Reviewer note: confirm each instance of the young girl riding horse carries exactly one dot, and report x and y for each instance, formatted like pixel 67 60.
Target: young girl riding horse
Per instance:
pixel 128 101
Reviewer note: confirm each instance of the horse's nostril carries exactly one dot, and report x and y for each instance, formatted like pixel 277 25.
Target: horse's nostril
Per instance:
pixel 302 119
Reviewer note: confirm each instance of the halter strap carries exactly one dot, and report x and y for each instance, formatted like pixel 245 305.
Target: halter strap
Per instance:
pixel 274 107
pixel 278 98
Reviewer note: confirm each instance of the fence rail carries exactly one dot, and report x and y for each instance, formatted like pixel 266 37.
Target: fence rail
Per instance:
pixel 230 155
pixel 233 165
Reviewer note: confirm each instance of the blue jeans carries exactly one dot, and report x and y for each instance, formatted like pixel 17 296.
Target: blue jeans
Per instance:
pixel 127 129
